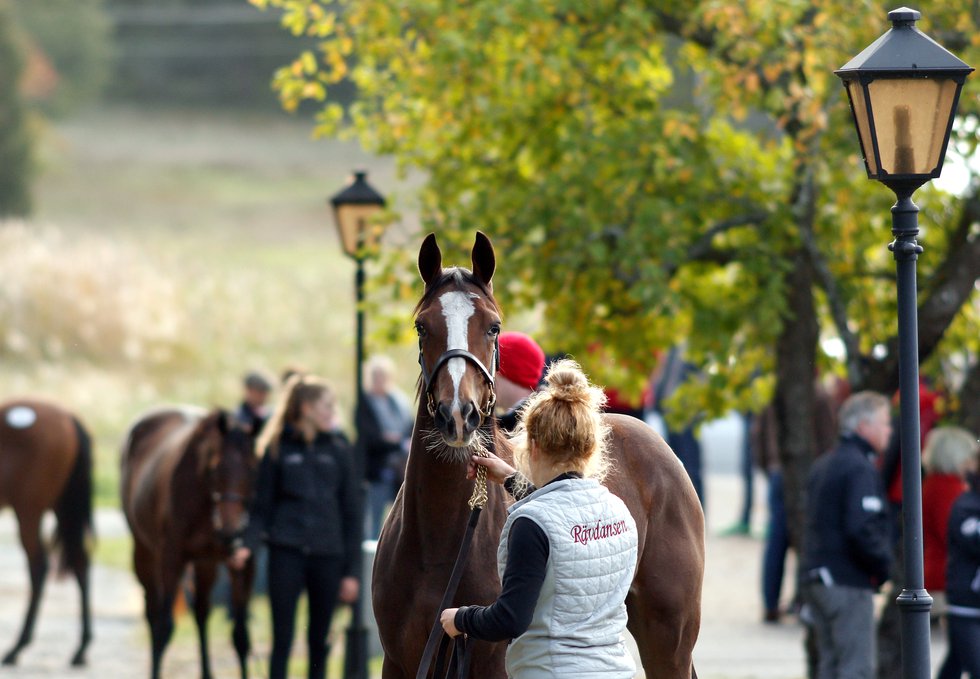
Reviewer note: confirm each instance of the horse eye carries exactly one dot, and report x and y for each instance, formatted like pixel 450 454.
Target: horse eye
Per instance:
pixel 420 329
pixel 494 330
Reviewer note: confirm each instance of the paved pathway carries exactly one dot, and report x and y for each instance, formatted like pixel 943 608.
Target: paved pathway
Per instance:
pixel 734 644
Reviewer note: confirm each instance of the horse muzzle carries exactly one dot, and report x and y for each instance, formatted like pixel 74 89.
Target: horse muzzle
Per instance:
pixel 457 426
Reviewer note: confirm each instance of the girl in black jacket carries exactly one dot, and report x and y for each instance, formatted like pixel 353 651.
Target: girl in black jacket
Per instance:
pixel 306 509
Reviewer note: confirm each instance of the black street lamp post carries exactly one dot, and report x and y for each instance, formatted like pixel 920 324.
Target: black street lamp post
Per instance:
pixel 903 90
pixel 354 209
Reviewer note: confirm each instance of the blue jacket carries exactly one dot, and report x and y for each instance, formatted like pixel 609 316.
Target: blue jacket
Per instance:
pixel 847 527
pixel 963 559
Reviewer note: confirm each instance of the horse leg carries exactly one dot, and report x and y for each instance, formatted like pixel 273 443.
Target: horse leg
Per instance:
pixel 158 603
pixel 205 573
pixel 37 562
pixel 662 640
pixel 81 575
pixel 389 670
pixel 241 591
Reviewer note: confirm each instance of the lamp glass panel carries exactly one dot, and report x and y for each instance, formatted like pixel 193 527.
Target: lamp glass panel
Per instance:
pixel 859 106
pixel 357 233
pixel 911 116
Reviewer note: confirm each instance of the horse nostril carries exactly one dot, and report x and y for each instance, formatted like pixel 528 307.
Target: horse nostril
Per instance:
pixel 471 417
pixel 444 419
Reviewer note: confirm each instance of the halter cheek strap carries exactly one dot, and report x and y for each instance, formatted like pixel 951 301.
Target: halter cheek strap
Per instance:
pixel 488 376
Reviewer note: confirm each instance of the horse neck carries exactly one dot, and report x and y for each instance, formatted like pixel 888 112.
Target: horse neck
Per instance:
pixel 190 482
pixel 436 492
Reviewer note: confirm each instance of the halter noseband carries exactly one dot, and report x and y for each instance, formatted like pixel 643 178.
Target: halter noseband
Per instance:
pixel 488 376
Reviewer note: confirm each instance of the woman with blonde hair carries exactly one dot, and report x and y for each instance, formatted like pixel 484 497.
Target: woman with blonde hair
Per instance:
pixel 568 550
pixel 306 509
pixel 947 456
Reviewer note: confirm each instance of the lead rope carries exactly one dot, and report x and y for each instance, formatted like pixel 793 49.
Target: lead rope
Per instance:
pixel 433 657
pixel 479 496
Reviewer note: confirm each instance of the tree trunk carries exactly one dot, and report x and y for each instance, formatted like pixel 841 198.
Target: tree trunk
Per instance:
pixel 796 351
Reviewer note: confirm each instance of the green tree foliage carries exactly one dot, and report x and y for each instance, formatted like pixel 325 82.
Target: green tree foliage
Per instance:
pixel 15 137
pixel 638 216
pixel 636 212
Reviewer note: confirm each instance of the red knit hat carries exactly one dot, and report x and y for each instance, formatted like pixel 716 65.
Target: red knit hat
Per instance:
pixel 521 359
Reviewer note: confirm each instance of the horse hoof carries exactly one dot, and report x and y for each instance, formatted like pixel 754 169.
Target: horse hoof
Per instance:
pixel 10 658
pixel 78 661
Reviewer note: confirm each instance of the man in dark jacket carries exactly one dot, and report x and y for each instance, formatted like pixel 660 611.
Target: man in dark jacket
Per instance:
pixel 847 549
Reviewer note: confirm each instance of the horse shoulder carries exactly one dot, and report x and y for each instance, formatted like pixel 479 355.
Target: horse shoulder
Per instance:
pixel 154 449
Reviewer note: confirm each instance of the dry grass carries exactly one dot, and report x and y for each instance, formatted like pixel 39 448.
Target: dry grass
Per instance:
pixel 172 252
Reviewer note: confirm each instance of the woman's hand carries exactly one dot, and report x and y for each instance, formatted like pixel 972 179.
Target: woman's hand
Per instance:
pixel 448 620
pixel 497 469
pixel 239 558
pixel 349 587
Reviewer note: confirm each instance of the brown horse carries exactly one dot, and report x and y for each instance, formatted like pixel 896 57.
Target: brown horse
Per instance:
pixel 458 321
pixel 46 463
pixel 187 479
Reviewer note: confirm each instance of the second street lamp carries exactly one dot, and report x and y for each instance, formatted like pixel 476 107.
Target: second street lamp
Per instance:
pixel 355 208
pixel 903 90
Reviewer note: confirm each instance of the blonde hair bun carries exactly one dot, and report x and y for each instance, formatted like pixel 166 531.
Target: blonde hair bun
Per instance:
pixel 565 421
pixel 567 382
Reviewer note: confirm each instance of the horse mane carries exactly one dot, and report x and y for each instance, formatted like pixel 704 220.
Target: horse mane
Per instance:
pixel 459 277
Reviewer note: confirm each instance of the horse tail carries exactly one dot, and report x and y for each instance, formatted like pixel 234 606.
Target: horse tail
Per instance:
pixel 74 508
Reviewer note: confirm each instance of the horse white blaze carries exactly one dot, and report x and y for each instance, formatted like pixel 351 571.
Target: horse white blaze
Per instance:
pixel 457 308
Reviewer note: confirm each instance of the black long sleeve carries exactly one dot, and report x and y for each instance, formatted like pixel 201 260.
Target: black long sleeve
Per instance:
pixel 260 513
pixel 510 616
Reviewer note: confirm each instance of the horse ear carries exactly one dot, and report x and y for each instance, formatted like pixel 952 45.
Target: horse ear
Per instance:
pixel 484 261
pixel 222 420
pixel 430 260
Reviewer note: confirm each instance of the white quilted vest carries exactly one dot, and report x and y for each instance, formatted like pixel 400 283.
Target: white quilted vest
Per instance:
pixel 578 622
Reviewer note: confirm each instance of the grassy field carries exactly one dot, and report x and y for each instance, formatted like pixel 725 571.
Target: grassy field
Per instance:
pixel 169 253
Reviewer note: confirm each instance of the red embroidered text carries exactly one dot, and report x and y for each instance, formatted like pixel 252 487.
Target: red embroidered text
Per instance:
pixel 584 533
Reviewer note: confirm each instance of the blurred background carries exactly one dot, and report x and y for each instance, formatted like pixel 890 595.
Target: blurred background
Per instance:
pixel 171 231
pixel 164 229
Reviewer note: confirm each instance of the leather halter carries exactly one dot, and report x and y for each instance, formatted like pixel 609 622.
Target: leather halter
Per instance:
pixel 428 376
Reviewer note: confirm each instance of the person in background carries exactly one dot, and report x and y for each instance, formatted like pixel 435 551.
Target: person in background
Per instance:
pixel 384 432
pixel 765 447
pixel 253 411
pixel 568 549
pixel 963 579
pixel 846 549
pixel 746 468
pixel 669 374
pixel 947 457
pixel 521 365
pixel 306 510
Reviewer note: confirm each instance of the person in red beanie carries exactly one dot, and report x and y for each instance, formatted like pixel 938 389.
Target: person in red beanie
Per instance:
pixel 521 365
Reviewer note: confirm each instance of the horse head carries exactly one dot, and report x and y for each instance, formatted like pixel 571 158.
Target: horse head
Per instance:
pixel 227 454
pixel 458 322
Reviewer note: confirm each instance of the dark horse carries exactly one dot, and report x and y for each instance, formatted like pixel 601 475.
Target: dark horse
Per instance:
pixel 46 463
pixel 187 479
pixel 458 321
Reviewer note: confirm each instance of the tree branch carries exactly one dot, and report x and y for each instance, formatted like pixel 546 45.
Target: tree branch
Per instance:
pixel 948 290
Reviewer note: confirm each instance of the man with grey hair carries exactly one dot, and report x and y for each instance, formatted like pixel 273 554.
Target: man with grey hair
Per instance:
pixel 846 543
